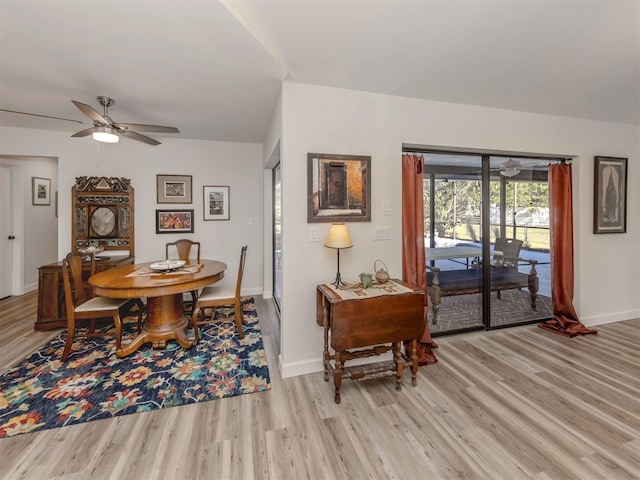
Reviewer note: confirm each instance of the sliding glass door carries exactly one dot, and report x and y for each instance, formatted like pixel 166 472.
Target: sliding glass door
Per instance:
pixel 453 241
pixel 520 242
pixel 487 241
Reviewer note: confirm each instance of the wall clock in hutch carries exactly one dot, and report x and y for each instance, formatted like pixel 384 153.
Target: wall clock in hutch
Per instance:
pixel 103 222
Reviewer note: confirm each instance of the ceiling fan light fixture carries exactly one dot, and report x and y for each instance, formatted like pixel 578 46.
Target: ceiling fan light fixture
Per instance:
pixel 106 135
pixel 507 172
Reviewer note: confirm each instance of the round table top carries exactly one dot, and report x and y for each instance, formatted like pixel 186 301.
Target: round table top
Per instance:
pixel 121 282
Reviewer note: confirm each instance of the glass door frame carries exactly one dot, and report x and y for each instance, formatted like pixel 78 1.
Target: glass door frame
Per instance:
pixel 485 224
pixel 276 179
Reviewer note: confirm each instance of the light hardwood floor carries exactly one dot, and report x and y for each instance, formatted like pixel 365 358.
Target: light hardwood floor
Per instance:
pixel 509 404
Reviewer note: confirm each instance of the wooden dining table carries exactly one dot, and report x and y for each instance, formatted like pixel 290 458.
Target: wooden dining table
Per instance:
pixel 165 319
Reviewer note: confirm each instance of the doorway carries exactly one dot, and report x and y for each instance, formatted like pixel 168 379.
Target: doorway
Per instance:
pixel 277 237
pixel 487 242
pixel 32 221
pixel 336 175
pixel 7 233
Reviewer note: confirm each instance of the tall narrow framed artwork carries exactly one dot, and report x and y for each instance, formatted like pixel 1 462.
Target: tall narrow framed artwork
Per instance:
pixel 173 188
pixel 40 191
pixel 610 195
pixel 216 204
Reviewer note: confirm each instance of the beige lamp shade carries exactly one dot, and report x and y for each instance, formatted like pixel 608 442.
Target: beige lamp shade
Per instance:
pixel 338 236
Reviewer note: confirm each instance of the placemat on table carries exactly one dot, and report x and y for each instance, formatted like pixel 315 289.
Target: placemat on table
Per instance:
pixel 354 290
pixel 148 272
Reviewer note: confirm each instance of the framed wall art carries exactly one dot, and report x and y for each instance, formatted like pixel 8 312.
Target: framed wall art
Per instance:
pixel 610 195
pixel 216 203
pixel 174 221
pixel 173 188
pixel 338 188
pixel 40 191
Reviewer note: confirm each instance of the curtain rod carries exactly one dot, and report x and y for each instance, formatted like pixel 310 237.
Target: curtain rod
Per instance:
pixel 415 151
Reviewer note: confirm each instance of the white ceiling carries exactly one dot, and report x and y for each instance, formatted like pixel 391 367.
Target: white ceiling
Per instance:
pixel 214 69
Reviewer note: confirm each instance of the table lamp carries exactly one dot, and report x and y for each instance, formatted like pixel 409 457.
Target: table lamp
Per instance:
pixel 338 237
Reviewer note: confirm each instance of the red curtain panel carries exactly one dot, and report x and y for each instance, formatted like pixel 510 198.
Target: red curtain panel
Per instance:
pixel 565 319
pixel 413 261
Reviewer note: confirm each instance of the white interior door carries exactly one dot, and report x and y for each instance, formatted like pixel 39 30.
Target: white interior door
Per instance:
pixel 6 233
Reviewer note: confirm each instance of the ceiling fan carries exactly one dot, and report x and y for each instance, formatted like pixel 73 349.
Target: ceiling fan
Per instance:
pixel 104 128
pixel 509 168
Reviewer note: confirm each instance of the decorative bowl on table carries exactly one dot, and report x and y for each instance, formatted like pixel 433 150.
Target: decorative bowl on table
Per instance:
pixel 167 265
pixel 90 249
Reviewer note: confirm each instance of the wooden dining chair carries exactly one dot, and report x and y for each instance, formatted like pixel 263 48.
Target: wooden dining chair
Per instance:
pixel 216 296
pixel 81 305
pixel 183 248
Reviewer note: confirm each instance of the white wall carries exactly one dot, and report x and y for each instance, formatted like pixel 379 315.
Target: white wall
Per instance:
pixel 210 163
pixel 329 120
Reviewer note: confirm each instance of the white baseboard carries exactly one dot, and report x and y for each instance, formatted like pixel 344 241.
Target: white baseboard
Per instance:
pixel 251 291
pixel 315 365
pixel 594 320
pixel 300 368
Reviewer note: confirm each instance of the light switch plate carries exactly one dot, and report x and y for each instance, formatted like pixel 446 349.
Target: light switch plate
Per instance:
pixel 313 234
pixel 382 233
pixel 386 207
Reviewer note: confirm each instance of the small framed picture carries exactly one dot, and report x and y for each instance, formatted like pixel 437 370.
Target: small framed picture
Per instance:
pixel 40 191
pixel 173 188
pixel 216 203
pixel 610 195
pixel 174 221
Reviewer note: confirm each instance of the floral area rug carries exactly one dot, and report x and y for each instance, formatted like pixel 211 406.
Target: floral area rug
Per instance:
pixel 43 392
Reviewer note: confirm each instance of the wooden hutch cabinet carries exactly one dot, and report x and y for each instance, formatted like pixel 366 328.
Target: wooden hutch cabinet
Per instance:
pixel 102 216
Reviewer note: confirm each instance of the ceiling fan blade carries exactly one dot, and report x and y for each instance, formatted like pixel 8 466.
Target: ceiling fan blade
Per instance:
pixel 43 116
pixel 86 132
pixel 139 137
pixel 91 113
pixel 146 128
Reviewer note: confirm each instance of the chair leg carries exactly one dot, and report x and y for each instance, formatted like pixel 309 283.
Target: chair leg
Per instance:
pixel 194 322
pixel 239 318
pixel 118 323
pixel 71 328
pixel 140 313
